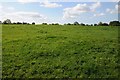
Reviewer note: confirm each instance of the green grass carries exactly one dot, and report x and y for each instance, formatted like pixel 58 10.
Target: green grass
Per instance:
pixel 40 51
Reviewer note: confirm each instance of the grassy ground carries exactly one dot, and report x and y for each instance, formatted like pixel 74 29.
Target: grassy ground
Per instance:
pixel 59 51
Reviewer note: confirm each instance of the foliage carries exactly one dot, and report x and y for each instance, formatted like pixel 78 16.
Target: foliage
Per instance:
pixel 56 24
pixel 7 21
pixel 76 23
pixel 44 23
pixel 103 24
pixel 68 24
pixel 0 22
pixel 95 24
pixel 114 23
pixel 19 23
pixel 82 24
pixel 33 23
pixel 25 23
pixel 100 24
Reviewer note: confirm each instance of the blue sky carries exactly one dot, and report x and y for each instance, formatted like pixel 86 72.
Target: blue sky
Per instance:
pixel 59 12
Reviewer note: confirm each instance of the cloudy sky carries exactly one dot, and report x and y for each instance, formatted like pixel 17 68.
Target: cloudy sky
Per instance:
pixel 59 11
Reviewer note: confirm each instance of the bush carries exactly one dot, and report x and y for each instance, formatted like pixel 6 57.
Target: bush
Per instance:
pixel 0 22
pixel 76 23
pixel 33 23
pixel 25 23
pixel 19 23
pixel 14 23
pixel 105 24
pixel 95 24
pixel 7 21
pixel 69 24
pixel 44 23
pixel 114 23
pixel 82 24
pixel 56 23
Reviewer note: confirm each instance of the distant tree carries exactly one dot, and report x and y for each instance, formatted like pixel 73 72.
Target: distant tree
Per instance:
pixel 14 23
pixel 69 24
pixel 0 22
pixel 24 23
pixel 28 23
pixel 114 23
pixel 87 24
pixel 82 24
pixel 91 25
pixel 56 24
pixel 7 21
pixel 33 23
pixel 44 23
pixel 100 24
pixel 95 24
pixel 65 24
pixel 76 23
pixel 19 23
pixel 105 24
pixel 52 24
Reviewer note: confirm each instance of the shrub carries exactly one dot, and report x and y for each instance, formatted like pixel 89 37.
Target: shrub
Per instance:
pixel 33 23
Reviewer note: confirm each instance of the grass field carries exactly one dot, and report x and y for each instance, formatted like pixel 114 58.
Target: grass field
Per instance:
pixel 43 51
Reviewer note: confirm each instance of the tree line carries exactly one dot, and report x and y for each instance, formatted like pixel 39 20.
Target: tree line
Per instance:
pixel 111 23
pixel 8 21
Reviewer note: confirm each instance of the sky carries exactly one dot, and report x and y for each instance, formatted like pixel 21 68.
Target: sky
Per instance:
pixel 59 11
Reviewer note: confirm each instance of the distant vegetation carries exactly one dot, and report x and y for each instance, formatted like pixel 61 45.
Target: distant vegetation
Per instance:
pixel 111 23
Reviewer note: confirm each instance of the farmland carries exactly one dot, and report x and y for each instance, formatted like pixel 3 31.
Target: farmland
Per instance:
pixel 55 51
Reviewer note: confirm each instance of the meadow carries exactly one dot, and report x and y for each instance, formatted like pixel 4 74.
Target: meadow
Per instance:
pixel 57 51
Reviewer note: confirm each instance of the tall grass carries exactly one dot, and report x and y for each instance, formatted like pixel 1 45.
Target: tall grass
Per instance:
pixel 38 51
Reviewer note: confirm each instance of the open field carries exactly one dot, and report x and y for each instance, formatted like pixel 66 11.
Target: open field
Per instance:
pixel 43 51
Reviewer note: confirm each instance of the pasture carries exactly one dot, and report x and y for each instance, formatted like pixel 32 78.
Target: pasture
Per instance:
pixel 56 51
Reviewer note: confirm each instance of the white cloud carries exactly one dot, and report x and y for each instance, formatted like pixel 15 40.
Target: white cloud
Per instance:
pixel 114 0
pixel 99 14
pixel 50 5
pixel 75 11
pixel 0 11
pixel 108 10
pixel 113 11
pixel 24 16
pixel 71 0
pixel 0 6
pixel 21 16
pixel 117 7
pixel 26 1
pixel 11 8
pixel 29 14
pixel 95 6
pixel 6 8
